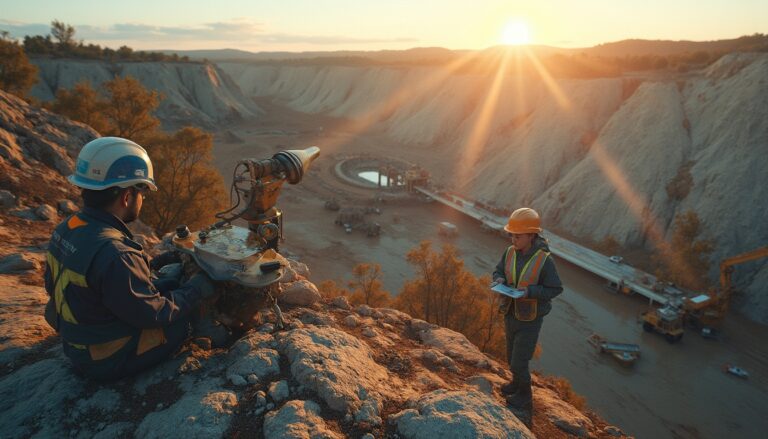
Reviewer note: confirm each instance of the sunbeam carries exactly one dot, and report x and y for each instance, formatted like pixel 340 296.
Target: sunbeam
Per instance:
pixel 405 92
pixel 549 81
pixel 478 137
pixel 640 209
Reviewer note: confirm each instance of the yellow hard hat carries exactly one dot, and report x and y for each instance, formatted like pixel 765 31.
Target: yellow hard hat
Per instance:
pixel 524 220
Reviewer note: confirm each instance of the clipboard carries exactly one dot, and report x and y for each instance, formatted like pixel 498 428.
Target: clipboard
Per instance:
pixel 507 291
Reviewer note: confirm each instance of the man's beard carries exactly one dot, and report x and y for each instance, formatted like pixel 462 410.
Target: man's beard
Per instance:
pixel 133 213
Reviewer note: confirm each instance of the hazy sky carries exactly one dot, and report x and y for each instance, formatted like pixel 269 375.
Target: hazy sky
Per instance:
pixel 298 25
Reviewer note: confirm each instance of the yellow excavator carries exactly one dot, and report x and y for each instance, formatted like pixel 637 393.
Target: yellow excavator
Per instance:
pixel 707 311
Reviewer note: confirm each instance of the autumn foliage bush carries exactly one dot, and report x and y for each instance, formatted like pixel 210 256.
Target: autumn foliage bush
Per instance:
pixel 190 189
pixel 444 292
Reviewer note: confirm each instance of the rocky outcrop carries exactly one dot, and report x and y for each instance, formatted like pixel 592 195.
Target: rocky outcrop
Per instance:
pixel 193 93
pixel 579 148
pixel 321 380
pixel 37 149
pixel 458 414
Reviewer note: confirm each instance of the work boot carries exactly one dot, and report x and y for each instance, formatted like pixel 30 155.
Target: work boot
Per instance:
pixel 522 399
pixel 509 388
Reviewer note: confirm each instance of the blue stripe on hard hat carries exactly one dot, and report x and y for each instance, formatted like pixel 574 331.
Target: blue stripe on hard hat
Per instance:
pixel 127 168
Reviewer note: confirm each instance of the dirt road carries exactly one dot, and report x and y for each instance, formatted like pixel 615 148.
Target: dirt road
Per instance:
pixel 674 391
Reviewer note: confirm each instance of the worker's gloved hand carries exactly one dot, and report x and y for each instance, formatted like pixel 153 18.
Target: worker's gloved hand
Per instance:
pixel 202 283
pixel 171 271
pixel 496 281
pixel 163 259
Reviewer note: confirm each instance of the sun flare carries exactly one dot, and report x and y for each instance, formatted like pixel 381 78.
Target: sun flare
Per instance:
pixel 516 33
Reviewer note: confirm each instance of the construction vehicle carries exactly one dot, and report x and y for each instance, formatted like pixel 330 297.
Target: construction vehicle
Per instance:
pixel 707 311
pixel 625 353
pixel 667 320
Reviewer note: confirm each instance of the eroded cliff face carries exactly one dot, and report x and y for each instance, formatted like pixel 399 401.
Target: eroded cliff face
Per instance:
pixel 594 156
pixel 194 93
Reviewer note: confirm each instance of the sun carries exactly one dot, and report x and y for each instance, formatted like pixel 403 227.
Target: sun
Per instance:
pixel 516 33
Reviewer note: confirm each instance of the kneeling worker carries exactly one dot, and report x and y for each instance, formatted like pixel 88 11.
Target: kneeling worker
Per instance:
pixel 528 266
pixel 112 319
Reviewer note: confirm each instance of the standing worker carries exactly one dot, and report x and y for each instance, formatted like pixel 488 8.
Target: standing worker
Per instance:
pixel 113 320
pixel 526 265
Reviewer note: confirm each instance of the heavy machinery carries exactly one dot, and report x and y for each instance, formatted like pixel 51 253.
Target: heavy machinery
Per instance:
pixel 667 320
pixel 625 353
pixel 354 218
pixel 245 261
pixel 706 311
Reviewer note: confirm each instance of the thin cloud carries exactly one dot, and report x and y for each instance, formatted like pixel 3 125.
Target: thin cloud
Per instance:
pixel 330 40
pixel 240 31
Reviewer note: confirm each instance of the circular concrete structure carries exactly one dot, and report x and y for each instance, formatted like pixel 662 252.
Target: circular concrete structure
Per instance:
pixel 350 169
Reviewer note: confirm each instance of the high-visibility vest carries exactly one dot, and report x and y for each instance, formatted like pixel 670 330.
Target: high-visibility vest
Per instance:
pixel 526 309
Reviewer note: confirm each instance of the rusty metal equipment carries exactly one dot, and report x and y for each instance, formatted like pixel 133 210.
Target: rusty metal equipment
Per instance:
pixel 246 260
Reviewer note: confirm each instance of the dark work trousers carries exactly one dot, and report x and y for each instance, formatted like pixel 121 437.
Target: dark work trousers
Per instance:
pixel 521 343
pixel 126 362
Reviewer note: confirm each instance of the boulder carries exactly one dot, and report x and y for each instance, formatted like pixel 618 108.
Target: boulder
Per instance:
pixel 67 207
pixel 458 414
pixel 453 344
pixel 302 293
pixel 300 268
pixel 297 420
pixel 46 213
pixel 7 199
pixel 482 383
pixel 279 391
pixel 17 263
pixel 341 302
pixel 563 415
pixel 339 367
pixel 610 430
pixel 421 325
pixel 436 360
pixel 351 321
pixel 364 310
pixel 201 413
pixel 253 355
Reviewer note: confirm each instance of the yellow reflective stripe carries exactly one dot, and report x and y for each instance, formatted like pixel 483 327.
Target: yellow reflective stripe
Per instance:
pixel 524 272
pixel 62 281
pixel 53 263
pixel 509 269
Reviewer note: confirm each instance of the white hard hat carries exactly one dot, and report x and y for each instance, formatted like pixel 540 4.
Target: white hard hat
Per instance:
pixel 112 161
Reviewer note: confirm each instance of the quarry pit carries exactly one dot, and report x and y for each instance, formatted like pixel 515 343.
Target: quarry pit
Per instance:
pixel 646 402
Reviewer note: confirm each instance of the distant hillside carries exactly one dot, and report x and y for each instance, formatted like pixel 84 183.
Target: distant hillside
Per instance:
pixel 386 56
pixel 751 43
pixel 633 47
